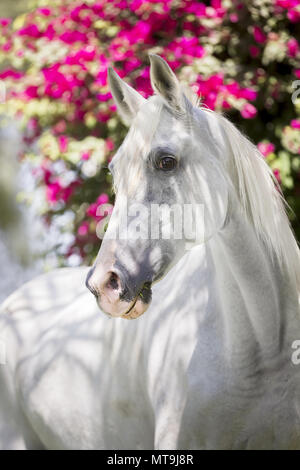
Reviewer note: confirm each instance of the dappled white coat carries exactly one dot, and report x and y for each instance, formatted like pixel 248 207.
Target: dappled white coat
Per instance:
pixel 86 381
pixel 187 374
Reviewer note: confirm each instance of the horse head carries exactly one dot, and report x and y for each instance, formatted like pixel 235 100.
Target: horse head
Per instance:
pixel 171 192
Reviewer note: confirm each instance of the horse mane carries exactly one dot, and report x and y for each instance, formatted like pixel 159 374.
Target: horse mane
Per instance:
pixel 260 196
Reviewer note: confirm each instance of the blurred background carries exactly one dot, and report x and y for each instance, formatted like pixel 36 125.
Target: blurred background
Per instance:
pixel 59 128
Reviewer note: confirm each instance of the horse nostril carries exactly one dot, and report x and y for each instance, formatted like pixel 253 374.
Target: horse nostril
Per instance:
pixel 114 281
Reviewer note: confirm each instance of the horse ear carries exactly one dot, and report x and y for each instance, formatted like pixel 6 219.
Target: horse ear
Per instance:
pixel 164 81
pixel 128 100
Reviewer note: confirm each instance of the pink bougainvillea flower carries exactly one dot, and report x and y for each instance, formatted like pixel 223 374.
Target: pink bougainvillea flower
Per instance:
pixel 30 31
pixel 67 192
pixel 103 96
pixel 287 3
pixel 295 123
pixel 59 85
pixel 297 73
pixel 248 111
pixel 49 33
pixel 292 7
pixel 208 89
pixel 91 210
pixel 44 11
pixel 233 18
pixel 55 191
pixel 226 104
pixel 102 116
pixel 46 173
pixel 233 88
pixel 82 15
pixel 293 47
pixel 52 191
pixel 259 36
pixel 63 143
pixel 102 199
pixel 85 155
pixel 135 5
pixel 254 51
pixel 31 92
pixel 293 15
pixel 7 46
pixel 70 37
pixel 266 148
pixel 248 94
pixel 186 48
pixel 9 73
pixel 198 9
pixel 86 54
pixel 5 22
pixel 83 229
pixel 132 64
pixel 109 144
pixel 141 32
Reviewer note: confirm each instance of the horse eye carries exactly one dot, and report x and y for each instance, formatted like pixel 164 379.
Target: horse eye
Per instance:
pixel 167 163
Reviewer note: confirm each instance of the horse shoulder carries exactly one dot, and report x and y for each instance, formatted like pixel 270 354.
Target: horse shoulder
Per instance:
pixel 79 375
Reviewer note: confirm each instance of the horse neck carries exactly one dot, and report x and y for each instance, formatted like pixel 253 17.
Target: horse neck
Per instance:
pixel 258 300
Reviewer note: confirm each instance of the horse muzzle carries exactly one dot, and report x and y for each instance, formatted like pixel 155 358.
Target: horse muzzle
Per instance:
pixel 113 296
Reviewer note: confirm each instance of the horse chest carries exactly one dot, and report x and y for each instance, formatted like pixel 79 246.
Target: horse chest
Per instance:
pixel 226 409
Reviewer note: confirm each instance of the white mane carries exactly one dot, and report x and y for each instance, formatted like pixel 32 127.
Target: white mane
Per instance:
pixel 261 198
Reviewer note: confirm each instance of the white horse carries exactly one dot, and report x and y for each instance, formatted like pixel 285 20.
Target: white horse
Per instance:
pixel 209 365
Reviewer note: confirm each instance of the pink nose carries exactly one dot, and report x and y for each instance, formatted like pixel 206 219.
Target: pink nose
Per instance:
pixel 107 288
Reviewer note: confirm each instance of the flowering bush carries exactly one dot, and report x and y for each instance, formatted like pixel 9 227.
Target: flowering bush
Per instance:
pixel 241 58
